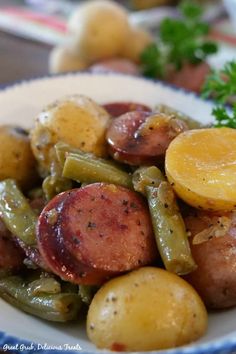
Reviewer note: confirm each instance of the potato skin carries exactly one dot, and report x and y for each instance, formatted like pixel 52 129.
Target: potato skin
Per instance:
pixel 215 277
pixel 76 120
pixel 61 59
pixel 16 158
pixel 147 309
pixel 99 30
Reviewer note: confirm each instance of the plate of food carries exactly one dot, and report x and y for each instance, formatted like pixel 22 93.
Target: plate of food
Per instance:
pixel 117 218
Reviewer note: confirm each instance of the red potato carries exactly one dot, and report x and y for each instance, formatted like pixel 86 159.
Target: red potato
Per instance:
pixel 90 234
pixel 118 65
pixel 11 256
pixel 116 109
pixel 141 137
pixel 213 245
pixel 191 77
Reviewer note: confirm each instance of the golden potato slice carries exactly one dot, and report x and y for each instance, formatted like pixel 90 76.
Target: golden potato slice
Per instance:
pixel 75 120
pixel 147 309
pixel 201 165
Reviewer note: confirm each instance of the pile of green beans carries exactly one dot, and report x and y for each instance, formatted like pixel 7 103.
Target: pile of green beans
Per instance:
pixel 58 307
pixel 83 167
pixel 54 300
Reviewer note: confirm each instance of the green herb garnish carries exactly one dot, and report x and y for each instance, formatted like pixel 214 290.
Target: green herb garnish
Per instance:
pixel 180 41
pixel 152 62
pixel 223 118
pixel 221 85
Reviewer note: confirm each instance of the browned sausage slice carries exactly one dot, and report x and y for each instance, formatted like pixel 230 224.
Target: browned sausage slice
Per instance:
pixel 89 234
pixel 116 109
pixel 142 137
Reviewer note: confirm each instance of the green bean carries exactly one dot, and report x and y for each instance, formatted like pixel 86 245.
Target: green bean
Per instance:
pixel 63 149
pixel 57 307
pixel 168 224
pixel 192 123
pixel 86 292
pixel 146 176
pixel 53 185
pixel 44 285
pixel 16 212
pixel 84 168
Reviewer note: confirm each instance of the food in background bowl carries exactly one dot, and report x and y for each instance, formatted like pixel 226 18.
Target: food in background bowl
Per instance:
pixel 98 31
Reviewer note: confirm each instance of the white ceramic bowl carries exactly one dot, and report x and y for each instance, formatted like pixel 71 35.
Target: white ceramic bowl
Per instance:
pixel 20 104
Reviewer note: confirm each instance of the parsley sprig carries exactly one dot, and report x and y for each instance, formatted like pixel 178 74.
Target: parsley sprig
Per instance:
pixel 221 85
pixel 223 118
pixel 180 41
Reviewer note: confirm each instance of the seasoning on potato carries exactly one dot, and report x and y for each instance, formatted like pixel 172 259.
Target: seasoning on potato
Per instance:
pixel 16 158
pixel 201 165
pixel 147 309
pixel 76 120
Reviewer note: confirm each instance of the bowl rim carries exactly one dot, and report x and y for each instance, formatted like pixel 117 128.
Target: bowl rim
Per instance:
pixel 225 345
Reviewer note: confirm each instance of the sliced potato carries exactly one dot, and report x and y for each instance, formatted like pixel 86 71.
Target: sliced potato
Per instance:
pixel 201 165
pixel 147 309
pixel 75 120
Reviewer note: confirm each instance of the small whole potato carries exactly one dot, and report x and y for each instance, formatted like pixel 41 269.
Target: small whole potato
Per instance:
pixel 213 246
pixel 99 29
pixel 75 120
pixel 62 60
pixel 147 309
pixel 16 158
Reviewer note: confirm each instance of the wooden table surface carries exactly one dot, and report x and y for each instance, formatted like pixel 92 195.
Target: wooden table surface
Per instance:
pixel 21 59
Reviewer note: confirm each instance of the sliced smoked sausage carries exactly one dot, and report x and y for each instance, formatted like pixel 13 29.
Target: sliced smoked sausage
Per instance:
pixel 89 234
pixel 142 137
pixel 213 245
pixel 116 109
